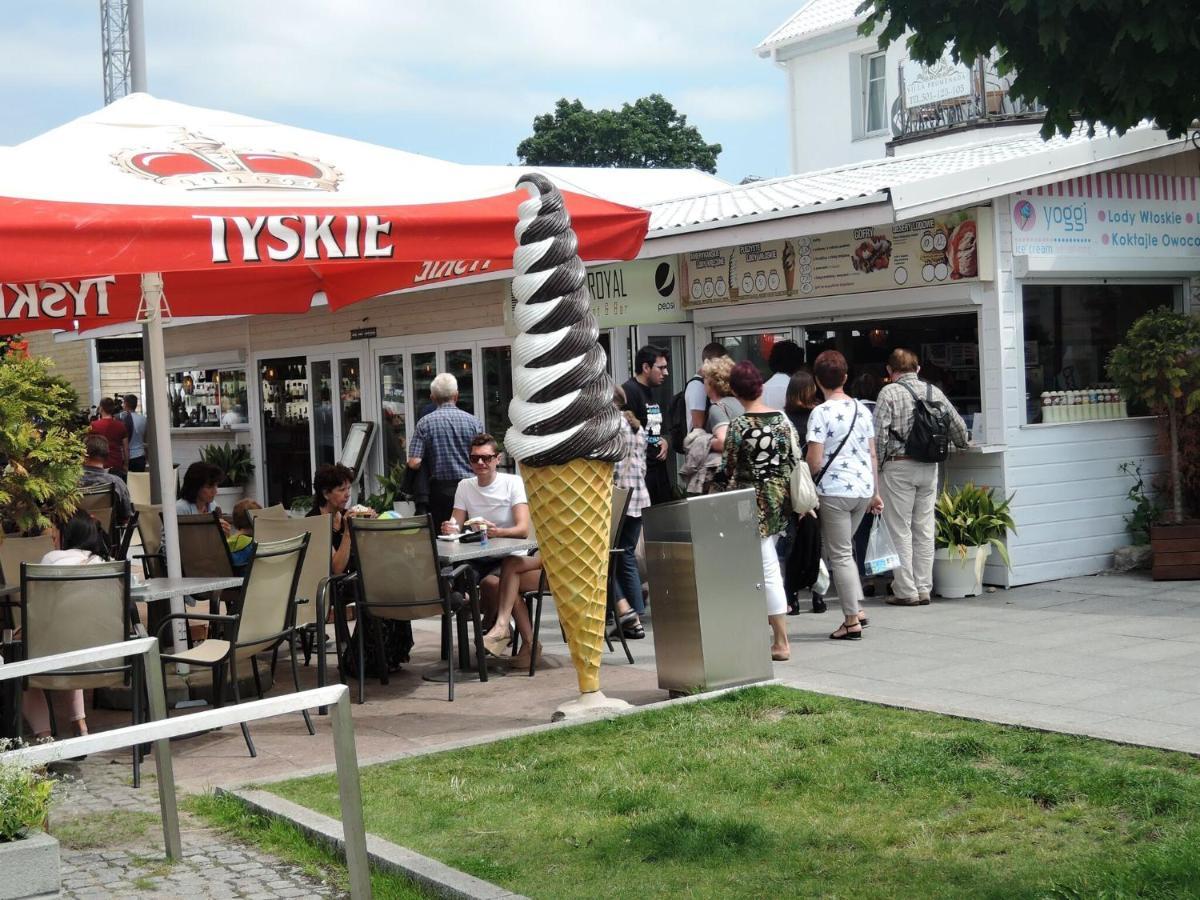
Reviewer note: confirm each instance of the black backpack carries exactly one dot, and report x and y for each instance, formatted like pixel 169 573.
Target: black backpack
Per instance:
pixel 679 422
pixel 929 439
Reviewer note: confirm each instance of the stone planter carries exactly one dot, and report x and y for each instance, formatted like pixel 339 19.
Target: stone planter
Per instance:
pixel 1176 551
pixel 30 867
pixel 958 576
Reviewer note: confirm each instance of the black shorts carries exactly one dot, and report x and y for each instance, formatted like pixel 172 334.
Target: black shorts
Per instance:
pixel 485 567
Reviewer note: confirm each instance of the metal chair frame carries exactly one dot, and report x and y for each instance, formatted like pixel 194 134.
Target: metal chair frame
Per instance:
pixel 450 599
pixel 232 624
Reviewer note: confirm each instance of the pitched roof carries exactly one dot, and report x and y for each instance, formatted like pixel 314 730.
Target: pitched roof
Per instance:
pixel 814 17
pixel 913 183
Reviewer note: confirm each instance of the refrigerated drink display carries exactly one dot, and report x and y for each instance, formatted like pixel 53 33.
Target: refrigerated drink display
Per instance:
pixel 286 457
pixel 207 398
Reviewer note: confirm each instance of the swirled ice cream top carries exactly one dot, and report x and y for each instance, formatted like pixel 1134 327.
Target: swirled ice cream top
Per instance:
pixel 562 406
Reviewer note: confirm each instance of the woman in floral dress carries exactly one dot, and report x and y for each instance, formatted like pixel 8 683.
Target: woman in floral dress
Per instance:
pixel 758 453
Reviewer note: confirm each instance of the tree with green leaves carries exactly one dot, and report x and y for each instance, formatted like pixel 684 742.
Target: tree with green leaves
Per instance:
pixel 41 445
pixel 1158 363
pixel 1112 63
pixel 646 134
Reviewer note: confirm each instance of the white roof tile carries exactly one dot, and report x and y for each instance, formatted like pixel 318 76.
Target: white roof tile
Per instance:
pixel 812 18
pixel 816 191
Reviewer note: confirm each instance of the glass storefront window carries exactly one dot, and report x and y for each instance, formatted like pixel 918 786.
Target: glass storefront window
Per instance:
pixel 424 368
pixel 459 364
pixel 497 390
pixel 207 398
pixel 288 467
pixel 322 379
pixel 1070 329
pixel 755 347
pixel 392 416
pixel 351 393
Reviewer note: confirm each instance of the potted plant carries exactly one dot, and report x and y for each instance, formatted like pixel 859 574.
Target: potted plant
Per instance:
pixel 28 855
pixel 233 460
pixel 41 446
pixel 1158 364
pixel 391 496
pixel 969 522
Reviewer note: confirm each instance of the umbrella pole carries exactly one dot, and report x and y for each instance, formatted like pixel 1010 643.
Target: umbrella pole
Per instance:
pixel 152 303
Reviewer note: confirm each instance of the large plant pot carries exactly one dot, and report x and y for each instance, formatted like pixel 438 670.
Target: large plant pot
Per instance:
pixel 1176 551
pixel 957 576
pixel 228 497
pixel 31 867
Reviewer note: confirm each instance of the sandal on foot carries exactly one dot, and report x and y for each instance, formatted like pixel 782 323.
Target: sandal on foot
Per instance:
pixel 777 656
pixel 864 621
pixel 846 634
pixel 631 626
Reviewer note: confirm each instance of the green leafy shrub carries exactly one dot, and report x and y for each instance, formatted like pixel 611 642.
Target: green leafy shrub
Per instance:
pixel 232 459
pixel 1158 363
pixel 391 489
pixel 24 799
pixel 41 445
pixel 971 516
pixel 1146 510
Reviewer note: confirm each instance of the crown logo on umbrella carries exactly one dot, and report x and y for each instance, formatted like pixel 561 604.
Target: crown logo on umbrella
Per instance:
pixel 197 163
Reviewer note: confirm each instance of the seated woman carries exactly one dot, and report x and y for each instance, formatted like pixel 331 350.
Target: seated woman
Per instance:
pixel 81 543
pixel 331 496
pixel 499 500
pixel 198 493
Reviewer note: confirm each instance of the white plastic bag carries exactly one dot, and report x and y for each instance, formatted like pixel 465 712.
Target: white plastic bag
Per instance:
pixel 881 552
pixel 821 585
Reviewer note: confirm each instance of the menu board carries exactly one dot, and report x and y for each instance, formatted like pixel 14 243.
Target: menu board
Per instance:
pixel 929 251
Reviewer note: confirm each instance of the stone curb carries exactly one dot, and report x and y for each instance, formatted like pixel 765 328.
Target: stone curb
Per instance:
pixel 331 768
pixel 384 855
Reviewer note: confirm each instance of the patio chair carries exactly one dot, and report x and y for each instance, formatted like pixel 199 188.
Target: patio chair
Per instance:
pixel 535 599
pixel 263 620
pixel 99 500
pixel 66 608
pixel 150 532
pixel 315 587
pixel 398 577
pixel 139 488
pixel 278 511
pixel 13 552
pixel 204 553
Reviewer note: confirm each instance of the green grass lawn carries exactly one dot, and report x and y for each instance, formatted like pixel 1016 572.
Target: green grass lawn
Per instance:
pixel 774 792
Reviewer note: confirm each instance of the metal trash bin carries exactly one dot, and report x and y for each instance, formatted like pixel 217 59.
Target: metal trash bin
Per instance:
pixel 704 565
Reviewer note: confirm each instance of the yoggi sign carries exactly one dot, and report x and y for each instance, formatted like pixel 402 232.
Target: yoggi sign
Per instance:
pixel 1112 214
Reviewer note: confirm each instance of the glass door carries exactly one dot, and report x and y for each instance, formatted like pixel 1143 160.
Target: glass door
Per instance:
pixel 756 346
pixel 324 438
pixel 394 410
pixel 287 462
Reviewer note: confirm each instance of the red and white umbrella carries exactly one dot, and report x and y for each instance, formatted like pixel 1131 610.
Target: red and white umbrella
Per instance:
pixel 247 216
pixel 229 215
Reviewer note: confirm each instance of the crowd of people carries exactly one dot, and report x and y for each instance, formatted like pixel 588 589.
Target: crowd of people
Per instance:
pixel 739 431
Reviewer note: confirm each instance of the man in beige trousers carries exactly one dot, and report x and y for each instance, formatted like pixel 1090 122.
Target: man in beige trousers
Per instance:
pixel 909 485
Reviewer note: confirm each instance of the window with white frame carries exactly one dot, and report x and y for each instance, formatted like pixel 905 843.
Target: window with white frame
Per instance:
pixel 874 93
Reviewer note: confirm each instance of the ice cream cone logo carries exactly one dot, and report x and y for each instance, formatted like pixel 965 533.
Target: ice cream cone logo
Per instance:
pixel 1024 215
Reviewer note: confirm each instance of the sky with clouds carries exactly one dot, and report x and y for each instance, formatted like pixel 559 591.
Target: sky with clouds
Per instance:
pixel 458 79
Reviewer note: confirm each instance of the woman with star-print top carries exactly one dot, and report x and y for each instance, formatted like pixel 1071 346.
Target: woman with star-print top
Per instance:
pixel 841 455
pixel 758 453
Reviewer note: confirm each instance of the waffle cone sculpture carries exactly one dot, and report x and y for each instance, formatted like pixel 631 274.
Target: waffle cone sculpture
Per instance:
pixel 565 429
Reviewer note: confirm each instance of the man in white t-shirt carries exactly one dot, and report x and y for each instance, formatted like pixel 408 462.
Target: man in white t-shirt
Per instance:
pixel 695 396
pixel 499 500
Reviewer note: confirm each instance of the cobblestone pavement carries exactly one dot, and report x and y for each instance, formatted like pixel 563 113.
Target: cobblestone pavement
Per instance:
pixel 213 865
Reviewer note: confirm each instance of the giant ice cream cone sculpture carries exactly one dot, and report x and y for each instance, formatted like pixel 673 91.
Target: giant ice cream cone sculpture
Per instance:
pixel 565 429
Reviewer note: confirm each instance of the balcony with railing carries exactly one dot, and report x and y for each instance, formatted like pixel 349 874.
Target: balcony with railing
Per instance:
pixel 948 96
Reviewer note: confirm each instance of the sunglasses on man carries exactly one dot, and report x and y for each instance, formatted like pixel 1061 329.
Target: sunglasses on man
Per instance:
pixel 481 457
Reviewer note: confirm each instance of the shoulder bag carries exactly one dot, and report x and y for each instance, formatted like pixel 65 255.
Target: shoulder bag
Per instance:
pixel 829 462
pixel 802 489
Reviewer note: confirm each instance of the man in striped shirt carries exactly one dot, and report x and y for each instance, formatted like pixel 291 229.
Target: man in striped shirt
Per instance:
pixel 909 486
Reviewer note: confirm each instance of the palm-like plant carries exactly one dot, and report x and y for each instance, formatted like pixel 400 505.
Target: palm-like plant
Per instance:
pixel 971 516
pixel 233 460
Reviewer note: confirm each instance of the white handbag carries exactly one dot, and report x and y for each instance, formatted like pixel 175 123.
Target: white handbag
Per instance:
pixel 802 490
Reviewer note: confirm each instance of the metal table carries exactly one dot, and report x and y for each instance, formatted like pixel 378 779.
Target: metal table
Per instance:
pixel 451 553
pixel 454 553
